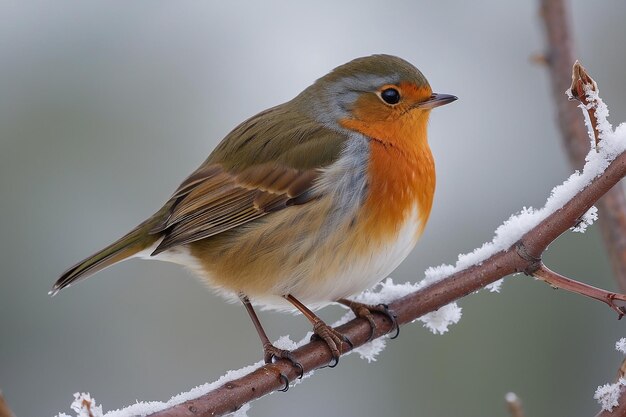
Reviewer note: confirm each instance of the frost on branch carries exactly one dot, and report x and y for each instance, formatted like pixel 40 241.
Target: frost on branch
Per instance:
pixel 439 320
pixel 84 406
pixel 242 412
pixel 371 350
pixel 514 404
pixel 613 143
pixel 609 143
pixel 586 220
pixel 608 395
pixel 585 90
pixel 386 292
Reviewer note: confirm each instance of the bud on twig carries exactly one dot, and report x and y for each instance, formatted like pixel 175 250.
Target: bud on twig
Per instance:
pixel 582 84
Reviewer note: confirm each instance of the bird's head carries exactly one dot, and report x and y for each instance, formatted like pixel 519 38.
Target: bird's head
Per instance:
pixel 377 90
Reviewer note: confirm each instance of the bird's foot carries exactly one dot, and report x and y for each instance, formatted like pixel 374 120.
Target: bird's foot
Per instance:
pixel 366 311
pixel 333 339
pixel 271 353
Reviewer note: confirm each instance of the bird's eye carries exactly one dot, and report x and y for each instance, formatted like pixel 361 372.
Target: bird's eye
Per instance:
pixel 390 95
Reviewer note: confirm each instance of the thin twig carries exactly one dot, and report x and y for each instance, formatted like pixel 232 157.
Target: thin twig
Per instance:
pixel 521 257
pixel 582 83
pixel 87 407
pixel 621 372
pixel 5 411
pixel 612 207
pixel 559 57
pixel 514 404
pixel 557 280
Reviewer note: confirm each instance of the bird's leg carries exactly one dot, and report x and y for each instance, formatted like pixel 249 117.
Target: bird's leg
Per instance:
pixel 366 311
pixel 332 337
pixel 270 352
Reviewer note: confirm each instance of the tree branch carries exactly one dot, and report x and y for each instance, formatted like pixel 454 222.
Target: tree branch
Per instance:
pixel 612 207
pixel 523 256
pixel 559 57
pixel 514 404
pixel 557 280
pixel 5 411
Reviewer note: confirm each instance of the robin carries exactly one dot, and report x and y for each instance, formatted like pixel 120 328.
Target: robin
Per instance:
pixel 306 203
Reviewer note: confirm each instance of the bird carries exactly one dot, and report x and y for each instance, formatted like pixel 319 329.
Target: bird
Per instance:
pixel 304 204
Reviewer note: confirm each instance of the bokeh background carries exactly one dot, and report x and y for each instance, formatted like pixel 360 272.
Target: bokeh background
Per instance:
pixel 106 106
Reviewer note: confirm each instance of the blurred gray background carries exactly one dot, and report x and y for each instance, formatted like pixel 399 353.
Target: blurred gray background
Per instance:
pixel 106 106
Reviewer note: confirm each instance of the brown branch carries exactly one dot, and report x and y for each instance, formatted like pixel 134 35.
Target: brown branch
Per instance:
pixel 557 280
pixel 581 83
pixel 5 411
pixel 86 405
pixel 559 58
pixel 514 404
pixel 524 256
pixel 612 207
pixel 521 257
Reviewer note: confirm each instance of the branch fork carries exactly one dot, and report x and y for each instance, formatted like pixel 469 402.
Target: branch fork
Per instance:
pixel 581 88
pixel 556 280
pixel 522 256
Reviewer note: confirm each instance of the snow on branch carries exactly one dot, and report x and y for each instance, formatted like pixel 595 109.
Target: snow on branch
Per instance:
pixel 609 396
pixel 516 247
pixel 558 58
pixel 514 404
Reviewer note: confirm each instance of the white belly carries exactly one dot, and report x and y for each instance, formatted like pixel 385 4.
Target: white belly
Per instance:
pixel 355 274
pixel 321 280
pixel 324 266
pixel 361 272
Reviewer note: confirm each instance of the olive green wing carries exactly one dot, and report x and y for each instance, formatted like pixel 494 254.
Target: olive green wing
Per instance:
pixel 266 164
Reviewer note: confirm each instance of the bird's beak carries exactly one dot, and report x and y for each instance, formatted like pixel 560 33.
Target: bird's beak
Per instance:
pixel 436 100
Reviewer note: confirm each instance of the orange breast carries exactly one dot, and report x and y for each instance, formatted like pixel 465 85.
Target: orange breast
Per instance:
pixel 401 172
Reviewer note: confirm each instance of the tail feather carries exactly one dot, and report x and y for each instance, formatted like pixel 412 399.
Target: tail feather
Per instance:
pixel 133 242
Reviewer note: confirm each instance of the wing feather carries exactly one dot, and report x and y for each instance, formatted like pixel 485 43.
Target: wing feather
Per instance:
pixel 256 170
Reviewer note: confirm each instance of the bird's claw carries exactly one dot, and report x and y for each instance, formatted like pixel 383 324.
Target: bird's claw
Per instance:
pixel 281 376
pixel 271 353
pixel 333 339
pixel 365 311
pixel 392 316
